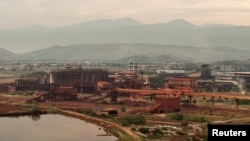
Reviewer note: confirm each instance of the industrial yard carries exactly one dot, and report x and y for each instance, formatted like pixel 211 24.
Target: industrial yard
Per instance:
pixel 179 110
pixel 124 70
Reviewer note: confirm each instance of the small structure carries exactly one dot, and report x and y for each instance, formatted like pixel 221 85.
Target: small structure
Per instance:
pixel 168 104
pixel 132 66
pixel 108 112
pixel 180 82
pixel 103 85
pixel 126 79
pixel 64 93
pixel 7 89
pixel 205 71
pixel 31 83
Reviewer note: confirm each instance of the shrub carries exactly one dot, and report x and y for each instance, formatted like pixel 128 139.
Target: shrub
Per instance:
pixel 244 102
pixel 133 129
pixel 124 121
pixel 123 109
pixel 86 111
pixel 128 120
pixel 177 116
pixel 199 119
pixel 185 101
pixel 138 119
pixel 144 130
pixel 35 110
pixel 52 110
pixel 181 133
pixel 194 101
pixel 157 132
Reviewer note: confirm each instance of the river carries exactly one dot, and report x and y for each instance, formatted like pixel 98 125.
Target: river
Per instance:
pixel 50 127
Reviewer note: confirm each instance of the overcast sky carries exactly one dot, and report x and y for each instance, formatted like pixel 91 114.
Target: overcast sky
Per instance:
pixel 52 13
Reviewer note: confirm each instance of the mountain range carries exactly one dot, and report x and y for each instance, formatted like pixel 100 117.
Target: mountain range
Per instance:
pixel 139 51
pixel 115 39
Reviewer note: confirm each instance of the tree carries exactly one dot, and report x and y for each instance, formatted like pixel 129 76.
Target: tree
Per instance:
pixel 177 116
pixel 144 130
pixel 123 109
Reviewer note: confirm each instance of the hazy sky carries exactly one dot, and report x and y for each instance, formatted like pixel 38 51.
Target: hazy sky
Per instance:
pixel 51 13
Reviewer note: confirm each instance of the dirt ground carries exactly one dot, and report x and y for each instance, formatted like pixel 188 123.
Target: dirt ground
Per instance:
pixel 218 113
pixel 6 108
pixel 7 103
pixel 192 109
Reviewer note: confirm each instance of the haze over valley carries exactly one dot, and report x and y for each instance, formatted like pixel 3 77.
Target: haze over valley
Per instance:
pixel 120 38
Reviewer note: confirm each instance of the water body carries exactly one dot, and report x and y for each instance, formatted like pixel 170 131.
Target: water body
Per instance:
pixel 50 128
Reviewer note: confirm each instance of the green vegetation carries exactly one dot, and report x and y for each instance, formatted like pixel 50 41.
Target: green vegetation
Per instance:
pixel 244 102
pixel 185 101
pixel 35 110
pixel 133 129
pixel 144 130
pixel 187 118
pixel 86 111
pixel 123 109
pixel 157 80
pixel 156 132
pixel 181 133
pixel 53 110
pixel 122 136
pixel 152 133
pixel 194 118
pixel 247 86
pixel 177 116
pixel 129 120
pixel 194 101
pixel 23 93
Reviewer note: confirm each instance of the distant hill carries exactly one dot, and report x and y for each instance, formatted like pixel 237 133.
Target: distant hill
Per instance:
pixel 150 59
pixel 129 31
pixel 147 52
pixel 7 55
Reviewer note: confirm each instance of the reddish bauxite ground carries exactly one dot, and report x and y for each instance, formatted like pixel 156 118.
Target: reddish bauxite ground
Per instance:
pixel 8 103
pixel 6 108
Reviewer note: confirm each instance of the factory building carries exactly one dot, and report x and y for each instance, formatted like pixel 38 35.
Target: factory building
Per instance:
pixel 132 66
pixel 206 72
pixel 168 104
pixel 180 82
pixel 7 89
pixel 125 79
pixel 84 80
pixel 31 83
pixel 65 93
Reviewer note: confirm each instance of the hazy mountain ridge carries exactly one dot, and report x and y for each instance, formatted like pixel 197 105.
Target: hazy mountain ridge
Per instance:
pixel 178 32
pixel 150 59
pixel 143 52
pixel 7 55
pixel 118 51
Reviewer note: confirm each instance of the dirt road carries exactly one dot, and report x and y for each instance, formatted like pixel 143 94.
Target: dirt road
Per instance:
pixel 107 123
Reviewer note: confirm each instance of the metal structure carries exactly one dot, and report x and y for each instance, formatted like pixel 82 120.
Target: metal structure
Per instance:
pixel 31 83
pixel 132 66
pixel 6 89
pixel 126 79
pixel 176 94
pixel 180 82
pixel 84 80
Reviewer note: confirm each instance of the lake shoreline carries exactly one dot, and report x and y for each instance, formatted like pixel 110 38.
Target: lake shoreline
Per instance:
pixel 122 133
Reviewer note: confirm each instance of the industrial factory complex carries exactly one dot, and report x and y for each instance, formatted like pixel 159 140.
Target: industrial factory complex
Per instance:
pixel 132 91
pixel 67 83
